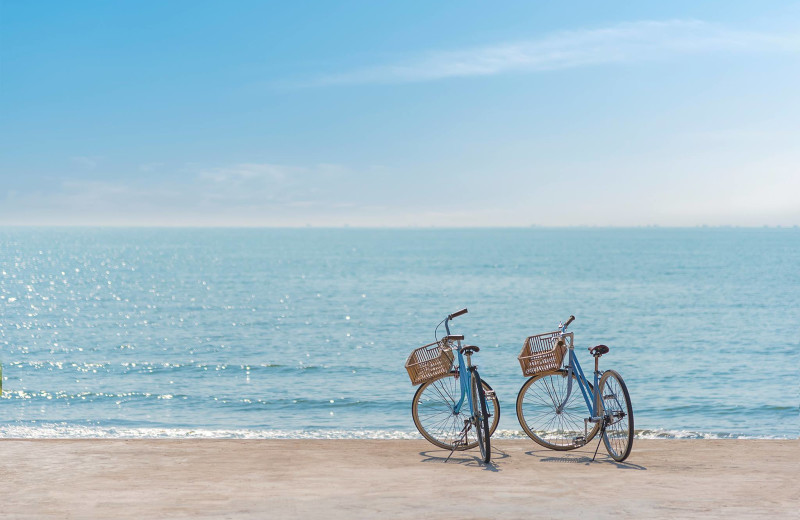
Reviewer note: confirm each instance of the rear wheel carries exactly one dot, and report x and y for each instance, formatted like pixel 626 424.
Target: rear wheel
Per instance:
pixel 481 418
pixel 433 412
pixel 618 436
pixel 538 413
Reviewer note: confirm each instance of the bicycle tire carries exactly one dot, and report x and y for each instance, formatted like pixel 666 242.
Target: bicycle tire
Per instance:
pixel 536 411
pixel 481 418
pixel 618 435
pixel 433 415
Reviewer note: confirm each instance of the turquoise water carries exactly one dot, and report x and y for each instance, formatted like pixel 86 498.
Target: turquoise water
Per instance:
pixel 304 333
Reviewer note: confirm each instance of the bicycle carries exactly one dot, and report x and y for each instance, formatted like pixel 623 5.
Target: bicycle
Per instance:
pixel 551 413
pixel 450 409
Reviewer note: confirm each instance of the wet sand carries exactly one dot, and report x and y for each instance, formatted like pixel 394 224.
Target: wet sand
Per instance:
pixel 260 479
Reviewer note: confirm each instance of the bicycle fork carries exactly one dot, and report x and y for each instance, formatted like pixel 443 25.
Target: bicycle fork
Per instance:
pixel 461 440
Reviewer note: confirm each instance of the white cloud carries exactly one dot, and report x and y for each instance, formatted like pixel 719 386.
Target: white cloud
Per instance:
pixel 258 183
pixel 86 161
pixel 626 42
pixel 244 172
pixel 150 167
pixel 236 194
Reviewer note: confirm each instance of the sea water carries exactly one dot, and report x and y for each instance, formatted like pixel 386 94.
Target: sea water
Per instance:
pixel 267 333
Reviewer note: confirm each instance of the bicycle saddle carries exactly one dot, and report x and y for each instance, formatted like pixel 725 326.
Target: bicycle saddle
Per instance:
pixel 469 349
pixel 599 350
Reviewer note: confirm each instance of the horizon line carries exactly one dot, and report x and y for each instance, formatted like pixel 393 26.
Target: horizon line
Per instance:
pixel 400 228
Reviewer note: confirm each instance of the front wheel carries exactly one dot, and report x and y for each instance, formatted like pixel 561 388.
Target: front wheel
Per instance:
pixel 433 411
pixel 481 418
pixel 539 415
pixel 618 412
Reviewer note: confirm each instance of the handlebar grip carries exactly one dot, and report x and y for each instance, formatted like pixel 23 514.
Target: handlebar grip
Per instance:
pixel 570 320
pixel 455 337
pixel 457 314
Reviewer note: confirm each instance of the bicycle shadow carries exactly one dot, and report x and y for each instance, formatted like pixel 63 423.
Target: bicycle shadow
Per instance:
pixel 580 457
pixel 465 458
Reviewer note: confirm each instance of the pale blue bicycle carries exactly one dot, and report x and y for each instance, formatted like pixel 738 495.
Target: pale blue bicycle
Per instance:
pixel 550 409
pixel 454 408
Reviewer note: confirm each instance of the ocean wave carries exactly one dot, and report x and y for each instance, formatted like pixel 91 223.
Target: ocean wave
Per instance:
pixel 65 431
pixel 126 398
pixel 689 434
pixel 151 367
pixel 69 431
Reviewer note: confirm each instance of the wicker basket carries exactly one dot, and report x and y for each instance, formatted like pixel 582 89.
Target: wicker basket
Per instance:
pixel 544 352
pixel 429 362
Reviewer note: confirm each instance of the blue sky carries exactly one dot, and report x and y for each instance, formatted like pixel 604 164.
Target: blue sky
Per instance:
pixel 400 114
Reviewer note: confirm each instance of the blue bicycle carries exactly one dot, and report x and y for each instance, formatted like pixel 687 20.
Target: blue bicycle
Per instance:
pixel 551 411
pixel 454 408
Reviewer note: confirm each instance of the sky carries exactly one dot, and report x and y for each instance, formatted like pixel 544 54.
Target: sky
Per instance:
pixel 400 114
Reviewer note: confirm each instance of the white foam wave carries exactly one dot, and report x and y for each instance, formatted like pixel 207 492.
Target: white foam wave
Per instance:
pixel 688 434
pixel 67 431
pixel 62 431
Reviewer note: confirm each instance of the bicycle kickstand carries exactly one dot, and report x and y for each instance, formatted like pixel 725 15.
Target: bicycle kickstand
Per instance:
pixel 602 432
pixel 462 439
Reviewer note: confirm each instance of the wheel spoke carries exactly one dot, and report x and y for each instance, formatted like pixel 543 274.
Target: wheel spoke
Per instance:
pixel 537 408
pixel 433 413
pixel 618 437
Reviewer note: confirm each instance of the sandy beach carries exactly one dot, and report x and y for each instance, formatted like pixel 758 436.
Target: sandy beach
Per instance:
pixel 394 479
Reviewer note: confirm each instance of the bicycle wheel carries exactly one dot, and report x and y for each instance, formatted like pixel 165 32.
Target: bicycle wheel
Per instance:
pixel 537 412
pixel 433 412
pixel 618 436
pixel 481 418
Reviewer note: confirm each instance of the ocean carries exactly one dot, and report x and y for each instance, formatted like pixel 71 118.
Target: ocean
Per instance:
pixel 303 333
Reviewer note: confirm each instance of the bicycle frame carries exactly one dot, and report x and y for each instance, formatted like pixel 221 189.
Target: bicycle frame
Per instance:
pixel 591 395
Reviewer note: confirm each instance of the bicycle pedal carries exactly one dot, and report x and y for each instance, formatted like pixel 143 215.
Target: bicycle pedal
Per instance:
pixel 580 440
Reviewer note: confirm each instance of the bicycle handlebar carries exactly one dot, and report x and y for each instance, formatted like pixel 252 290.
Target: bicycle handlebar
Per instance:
pixel 449 317
pixel 457 314
pixel 570 320
pixel 455 337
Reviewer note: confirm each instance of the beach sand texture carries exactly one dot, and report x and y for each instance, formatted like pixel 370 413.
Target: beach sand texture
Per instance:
pixel 219 478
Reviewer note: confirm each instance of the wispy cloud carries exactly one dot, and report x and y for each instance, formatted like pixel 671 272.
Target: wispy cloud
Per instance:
pixel 150 167
pixel 245 172
pixel 245 193
pixel 626 42
pixel 86 162
pixel 267 181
